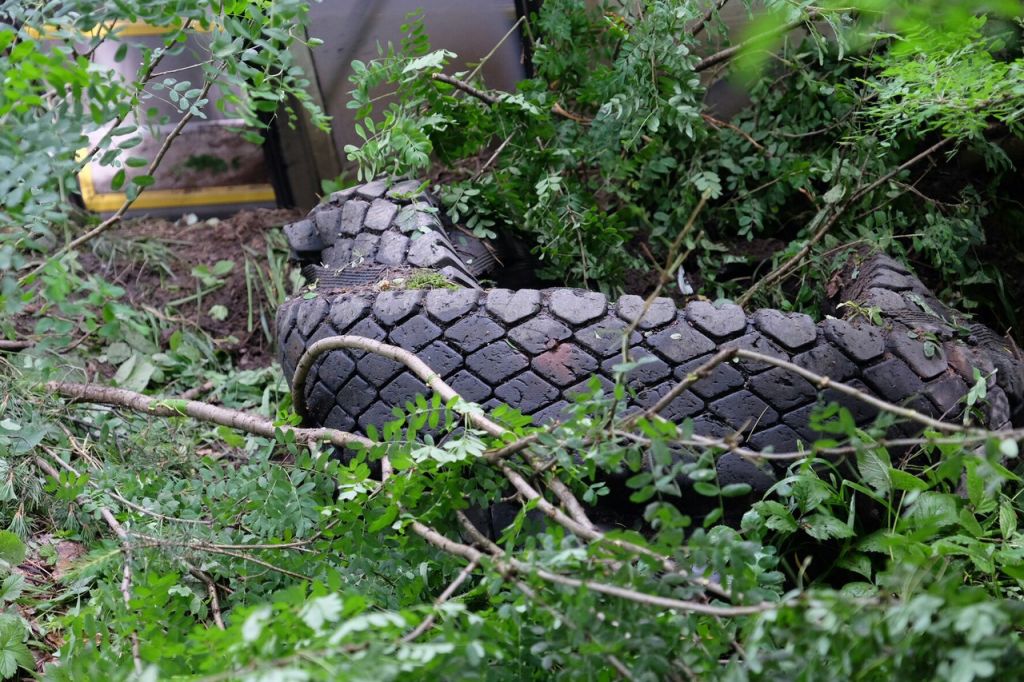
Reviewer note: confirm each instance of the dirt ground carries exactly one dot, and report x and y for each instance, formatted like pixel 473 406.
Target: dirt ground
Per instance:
pixel 171 267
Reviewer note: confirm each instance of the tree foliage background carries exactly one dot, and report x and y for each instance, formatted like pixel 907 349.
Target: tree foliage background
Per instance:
pixel 216 553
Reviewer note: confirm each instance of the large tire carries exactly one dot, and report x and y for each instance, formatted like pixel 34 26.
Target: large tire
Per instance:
pixel 533 349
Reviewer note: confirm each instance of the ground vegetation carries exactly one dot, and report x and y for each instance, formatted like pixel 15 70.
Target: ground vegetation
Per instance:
pixel 166 515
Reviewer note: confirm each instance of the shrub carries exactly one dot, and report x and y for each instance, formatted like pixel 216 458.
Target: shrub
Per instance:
pixel 607 150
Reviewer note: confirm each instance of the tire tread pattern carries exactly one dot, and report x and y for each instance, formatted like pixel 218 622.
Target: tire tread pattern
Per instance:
pixel 534 349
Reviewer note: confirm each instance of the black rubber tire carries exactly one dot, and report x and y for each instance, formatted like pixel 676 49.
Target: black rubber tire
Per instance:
pixel 533 349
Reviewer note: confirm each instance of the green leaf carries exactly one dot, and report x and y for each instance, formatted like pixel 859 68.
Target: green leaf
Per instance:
pixel 432 61
pixel 252 628
pixel 877 542
pixel 933 508
pixel 230 437
pixel 12 549
pixel 824 527
pixel 874 470
pixel 834 195
pixel 317 612
pixel 857 563
pixel 979 390
pixel 706 489
pixel 14 653
pixel 143 180
pixel 901 480
pixel 12 587
pixel 975 482
pixel 385 519
pixel 859 590
pixel 736 489
pixel 118 352
pixel 777 517
pixel 223 267
pixel 970 523
pixel 135 373
pixel 713 516
pixel 1007 518
pixel 708 184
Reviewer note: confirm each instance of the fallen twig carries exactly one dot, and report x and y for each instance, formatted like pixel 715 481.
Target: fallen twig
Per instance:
pixel 436 384
pixel 200 546
pixel 486 97
pixel 196 391
pixel 673 262
pixel 177 407
pixel 718 123
pixel 211 590
pixel 126 575
pixel 142 79
pixel 467 88
pixel 511 565
pixel 119 213
pixel 497 552
pixel 702 24
pixel 428 622
pixel 575 521
pixel 732 445
pixel 512 29
pixel 14 346
pixel 828 216
pixel 822 382
pixel 730 52
pixel 585 531
pixel 689 380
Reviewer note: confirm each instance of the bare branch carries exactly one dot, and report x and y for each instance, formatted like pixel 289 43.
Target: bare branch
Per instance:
pixel 718 123
pixel 196 391
pixel 224 416
pixel 200 546
pixel 211 590
pixel 510 565
pixel 828 216
pixel 673 262
pixel 436 384
pixel 577 522
pixel 650 599
pixel 486 97
pixel 429 621
pixel 126 575
pixel 119 213
pixel 481 95
pixel 823 382
pixel 498 552
pixel 477 537
pixel 512 448
pixel 486 57
pixel 732 445
pixel 730 52
pixel 689 380
pixel 702 24
pixel 15 346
